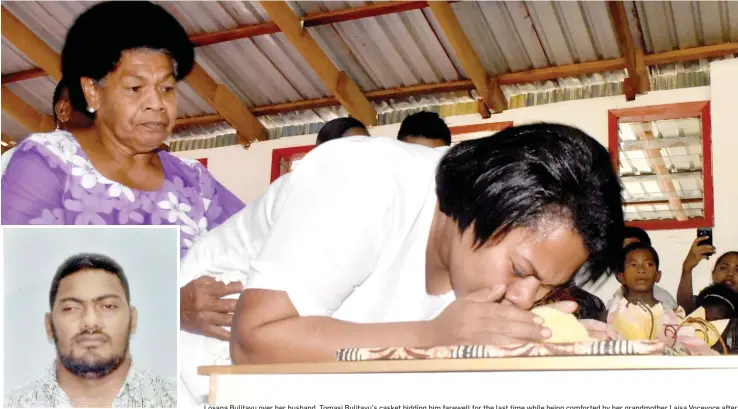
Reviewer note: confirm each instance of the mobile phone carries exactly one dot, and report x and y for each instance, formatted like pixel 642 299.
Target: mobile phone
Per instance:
pixel 705 232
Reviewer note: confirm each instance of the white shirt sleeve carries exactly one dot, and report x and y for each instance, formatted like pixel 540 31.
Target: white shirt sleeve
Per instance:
pixel 330 225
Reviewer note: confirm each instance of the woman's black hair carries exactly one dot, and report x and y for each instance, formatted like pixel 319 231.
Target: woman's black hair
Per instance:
pixel 102 33
pixel 526 174
pixel 639 246
pixel 336 128
pixel 719 295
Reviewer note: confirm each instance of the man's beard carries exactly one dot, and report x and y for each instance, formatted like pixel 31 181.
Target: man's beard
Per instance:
pixel 96 370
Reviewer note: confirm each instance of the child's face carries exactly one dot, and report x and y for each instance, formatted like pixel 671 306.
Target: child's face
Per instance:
pixel 640 273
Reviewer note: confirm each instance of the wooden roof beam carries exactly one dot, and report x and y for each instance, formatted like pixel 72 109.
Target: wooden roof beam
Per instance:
pixel 227 104
pixel 343 88
pixel 309 20
pixel 31 46
pixel 487 86
pixel 637 81
pixel 24 113
pixel 656 161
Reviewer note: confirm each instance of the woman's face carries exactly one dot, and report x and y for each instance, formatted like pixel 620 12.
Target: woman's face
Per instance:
pixel 137 102
pixel 726 271
pixel 529 261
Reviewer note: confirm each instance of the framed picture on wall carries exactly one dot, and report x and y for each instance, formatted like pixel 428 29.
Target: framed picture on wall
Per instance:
pixel 286 159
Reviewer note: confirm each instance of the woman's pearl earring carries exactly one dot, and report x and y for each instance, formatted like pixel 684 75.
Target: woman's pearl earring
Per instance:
pixel 91 110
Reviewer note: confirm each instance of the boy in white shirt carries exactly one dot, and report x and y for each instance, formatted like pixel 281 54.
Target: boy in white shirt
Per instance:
pixel 372 242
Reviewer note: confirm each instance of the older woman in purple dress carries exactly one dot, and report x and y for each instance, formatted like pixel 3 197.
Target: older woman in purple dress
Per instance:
pixel 121 62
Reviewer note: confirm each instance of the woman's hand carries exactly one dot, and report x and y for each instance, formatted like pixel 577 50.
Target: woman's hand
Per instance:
pixel 202 309
pixel 697 253
pixel 480 318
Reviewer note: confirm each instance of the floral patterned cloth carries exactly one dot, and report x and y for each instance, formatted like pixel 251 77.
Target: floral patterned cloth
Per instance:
pixel 141 389
pixel 51 181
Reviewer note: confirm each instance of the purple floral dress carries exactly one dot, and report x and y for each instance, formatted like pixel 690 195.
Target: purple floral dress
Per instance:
pixel 51 181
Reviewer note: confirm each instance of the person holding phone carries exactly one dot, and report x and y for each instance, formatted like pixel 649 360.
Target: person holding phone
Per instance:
pixel 725 270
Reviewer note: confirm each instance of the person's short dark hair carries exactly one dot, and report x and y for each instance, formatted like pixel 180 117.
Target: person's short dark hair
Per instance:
pixel 58 91
pixel 427 125
pixel 525 174
pixel 639 246
pixel 87 261
pixel 97 39
pixel 335 129
pixel 632 232
pixel 719 295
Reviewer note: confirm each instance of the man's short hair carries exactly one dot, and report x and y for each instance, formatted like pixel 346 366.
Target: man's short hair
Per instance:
pixel 525 174
pixel 58 92
pixel 87 261
pixel 632 232
pixel 336 129
pixel 639 246
pixel 426 125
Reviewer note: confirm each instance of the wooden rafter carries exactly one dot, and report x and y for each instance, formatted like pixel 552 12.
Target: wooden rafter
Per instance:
pixel 309 20
pixel 31 46
pixel 341 86
pixel 487 86
pixel 229 107
pixel 656 161
pixel 637 82
pixel 25 114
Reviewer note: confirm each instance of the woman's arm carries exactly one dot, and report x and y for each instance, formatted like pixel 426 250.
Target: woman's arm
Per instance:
pixel 268 329
pixel 685 292
pixel 32 190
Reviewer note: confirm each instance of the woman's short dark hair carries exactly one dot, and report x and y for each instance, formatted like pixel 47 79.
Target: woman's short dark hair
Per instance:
pixel 335 129
pixel 87 261
pixel 525 174
pixel 100 35
pixel 639 246
pixel 632 232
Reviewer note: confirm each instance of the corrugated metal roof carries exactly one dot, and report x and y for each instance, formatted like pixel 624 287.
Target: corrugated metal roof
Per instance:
pixel 405 49
pixel 13 60
pixel 666 26
pixel 12 128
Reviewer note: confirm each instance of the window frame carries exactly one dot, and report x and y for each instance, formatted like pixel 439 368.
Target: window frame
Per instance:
pixel 684 110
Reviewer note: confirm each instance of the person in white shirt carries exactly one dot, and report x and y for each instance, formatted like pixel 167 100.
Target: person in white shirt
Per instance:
pixel 425 128
pixel 638 235
pixel 372 242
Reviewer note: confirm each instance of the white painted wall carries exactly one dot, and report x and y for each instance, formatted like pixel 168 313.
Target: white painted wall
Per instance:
pixel 247 172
